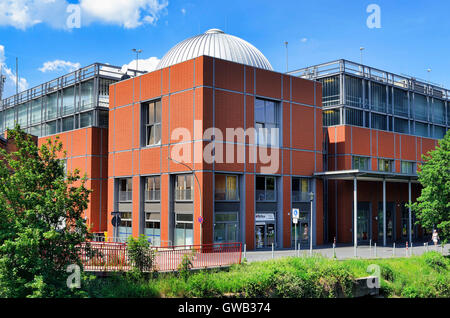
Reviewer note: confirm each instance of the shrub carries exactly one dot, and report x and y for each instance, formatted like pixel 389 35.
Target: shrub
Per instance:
pixel 142 256
pixel 435 261
pixel 185 265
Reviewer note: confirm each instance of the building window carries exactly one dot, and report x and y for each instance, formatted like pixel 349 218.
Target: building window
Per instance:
pixel 300 190
pixel 226 227
pixel 353 91
pixel 152 228
pixel 400 102
pixel 408 167
pixel 184 229
pixel 420 107
pixel 401 125
pixel 183 187
pixel 385 165
pixel 265 188
pixel 379 121
pixel 226 188
pixel 439 132
pixel 152 189
pixel 360 163
pixel 354 117
pixel 421 129
pixel 151 113
pixel 266 122
pixel 331 117
pixel 125 190
pixel 330 90
pixel 378 97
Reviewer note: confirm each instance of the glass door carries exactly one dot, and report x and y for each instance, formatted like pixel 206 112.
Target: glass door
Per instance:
pixel 260 233
pixel 270 230
pixel 390 222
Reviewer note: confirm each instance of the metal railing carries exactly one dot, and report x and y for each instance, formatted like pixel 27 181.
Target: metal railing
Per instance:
pixel 109 257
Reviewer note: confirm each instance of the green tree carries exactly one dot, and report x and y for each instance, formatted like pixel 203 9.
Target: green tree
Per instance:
pixel 41 225
pixel 433 206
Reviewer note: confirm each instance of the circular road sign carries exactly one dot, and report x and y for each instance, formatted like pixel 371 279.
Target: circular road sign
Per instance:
pixel 200 220
pixel 116 220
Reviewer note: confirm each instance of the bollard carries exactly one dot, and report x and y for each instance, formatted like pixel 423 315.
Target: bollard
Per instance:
pixel 406 251
pixel 272 252
pixel 334 250
pixel 393 250
pixel 370 247
pixel 375 247
pixel 245 250
pixel 412 249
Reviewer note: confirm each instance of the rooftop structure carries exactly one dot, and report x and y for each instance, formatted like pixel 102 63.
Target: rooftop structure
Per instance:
pixel 76 100
pixel 218 44
pixel 360 95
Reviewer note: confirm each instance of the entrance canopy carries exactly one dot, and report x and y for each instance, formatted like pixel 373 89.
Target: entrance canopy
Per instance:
pixel 367 176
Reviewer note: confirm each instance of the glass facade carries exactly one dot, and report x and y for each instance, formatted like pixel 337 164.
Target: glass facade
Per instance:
pixel 379 100
pixel 266 122
pixel 76 100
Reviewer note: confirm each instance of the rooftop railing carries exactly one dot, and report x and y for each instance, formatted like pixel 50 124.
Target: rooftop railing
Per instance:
pixel 80 75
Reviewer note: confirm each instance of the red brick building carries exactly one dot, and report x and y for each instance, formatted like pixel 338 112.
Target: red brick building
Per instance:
pixel 215 146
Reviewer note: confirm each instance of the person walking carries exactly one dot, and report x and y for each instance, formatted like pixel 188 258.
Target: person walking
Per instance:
pixel 435 237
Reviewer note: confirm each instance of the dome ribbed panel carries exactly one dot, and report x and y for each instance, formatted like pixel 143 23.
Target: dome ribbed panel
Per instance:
pixel 217 44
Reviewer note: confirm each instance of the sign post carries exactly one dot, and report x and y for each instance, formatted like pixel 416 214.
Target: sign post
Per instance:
pixel 115 223
pixel 295 216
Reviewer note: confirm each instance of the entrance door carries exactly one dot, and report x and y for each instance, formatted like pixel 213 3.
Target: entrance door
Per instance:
pixel 405 224
pixel 390 222
pixel 265 235
pixel 302 230
pixel 363 225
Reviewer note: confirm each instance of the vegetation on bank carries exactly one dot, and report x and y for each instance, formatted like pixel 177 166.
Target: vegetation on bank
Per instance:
pixel 417 276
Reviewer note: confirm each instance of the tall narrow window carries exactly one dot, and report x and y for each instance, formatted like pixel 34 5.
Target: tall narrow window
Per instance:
pixel 226 188
pixel 183 188
pixel 300 189
pixel 152 189
pixel 266 122
pixel 265 188
pixel 385 165
pixel 152 123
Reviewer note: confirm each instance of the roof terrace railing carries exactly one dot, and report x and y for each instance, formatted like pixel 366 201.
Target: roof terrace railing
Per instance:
pixel 78 76
pixel 367 72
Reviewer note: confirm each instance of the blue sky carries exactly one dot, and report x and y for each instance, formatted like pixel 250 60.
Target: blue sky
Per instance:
pixel 414 34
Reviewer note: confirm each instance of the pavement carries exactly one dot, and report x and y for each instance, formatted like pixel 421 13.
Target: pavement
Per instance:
pixel 347 252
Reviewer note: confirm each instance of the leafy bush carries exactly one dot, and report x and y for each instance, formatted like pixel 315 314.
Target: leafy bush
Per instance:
pixel 185 265
pixel 142 256
pixel 435 260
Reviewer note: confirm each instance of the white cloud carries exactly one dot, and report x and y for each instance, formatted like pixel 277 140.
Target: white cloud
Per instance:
pixel 10 85
pixel 183 11
pixel 59 65
pixel 127 13
pixel 147 65
pixel 23 14
pixel 304 40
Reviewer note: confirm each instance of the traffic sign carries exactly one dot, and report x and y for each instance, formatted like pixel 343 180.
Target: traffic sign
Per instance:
pixel 295 213
pixel 200 220
pixel 295 220
pixel 116 220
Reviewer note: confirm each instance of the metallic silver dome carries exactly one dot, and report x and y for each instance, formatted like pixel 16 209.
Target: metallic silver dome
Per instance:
pixel 215 43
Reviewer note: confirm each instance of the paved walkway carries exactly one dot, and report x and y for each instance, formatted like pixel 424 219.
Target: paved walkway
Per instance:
pixel 347 251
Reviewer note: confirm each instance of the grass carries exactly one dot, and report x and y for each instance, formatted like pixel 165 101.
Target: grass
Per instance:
pixel 427 275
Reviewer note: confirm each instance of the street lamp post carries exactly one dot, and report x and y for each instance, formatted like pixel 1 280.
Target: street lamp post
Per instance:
pixel 311 199
pixel 137 57
pixel 200 192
